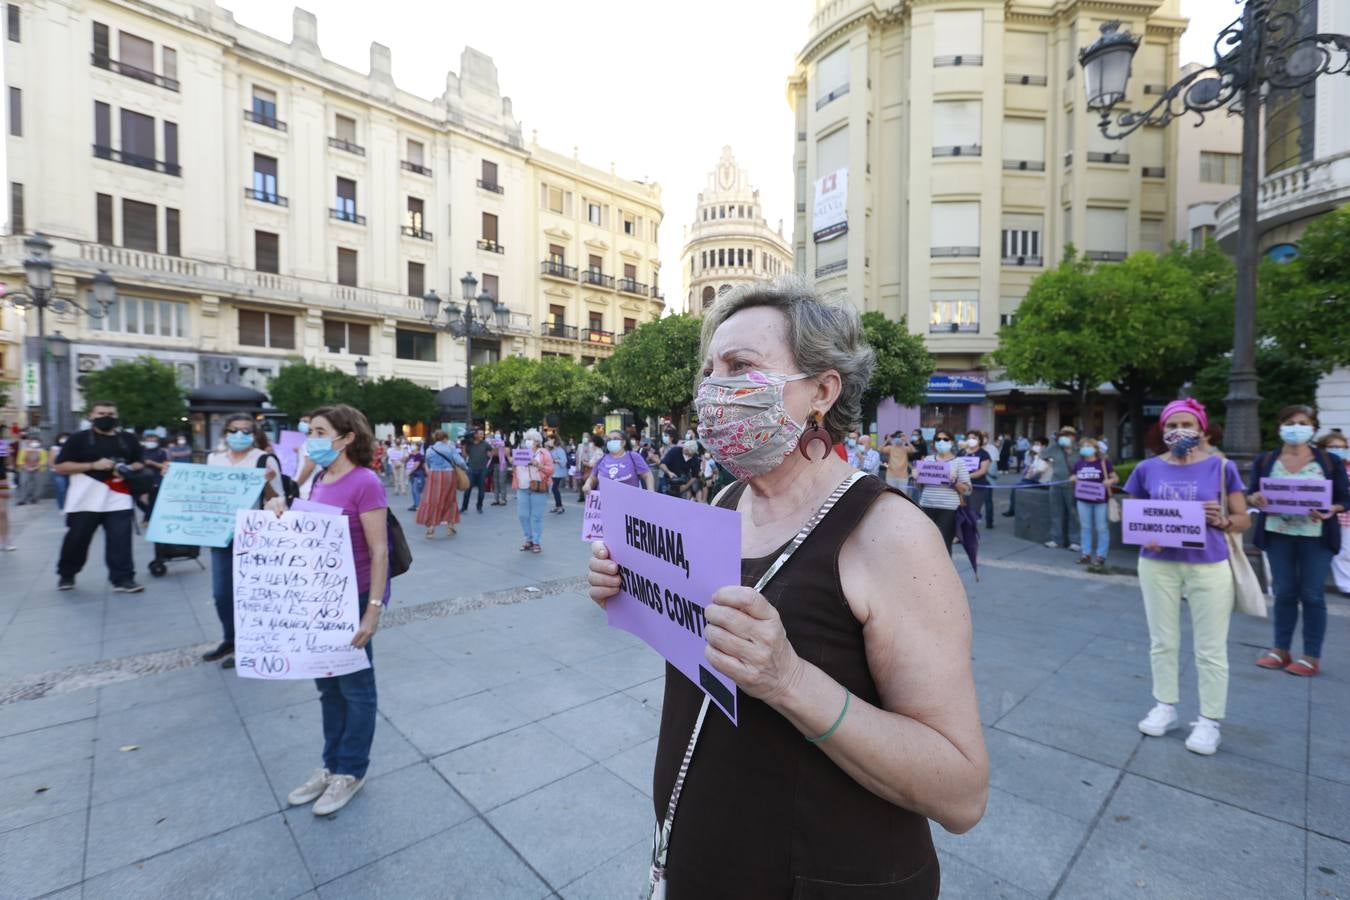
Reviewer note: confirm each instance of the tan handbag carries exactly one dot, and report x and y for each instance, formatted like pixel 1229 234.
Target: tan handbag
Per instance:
pixel 1248 597
pixel 461 479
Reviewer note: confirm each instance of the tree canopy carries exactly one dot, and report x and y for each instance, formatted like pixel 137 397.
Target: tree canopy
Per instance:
pixel 145 390
pixel 652 372
pixel 1303 302
pixel 301 387
pixel 521 392
pixel 903 363
pixel 396 401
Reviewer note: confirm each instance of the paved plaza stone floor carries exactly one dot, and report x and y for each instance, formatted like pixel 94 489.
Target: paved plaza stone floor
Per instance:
pixel 514 747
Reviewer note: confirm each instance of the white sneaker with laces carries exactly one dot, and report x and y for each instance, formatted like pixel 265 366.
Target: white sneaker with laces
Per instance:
pixel 341 789
pixel 311 789
pixel 1160 720
pixel 1204 737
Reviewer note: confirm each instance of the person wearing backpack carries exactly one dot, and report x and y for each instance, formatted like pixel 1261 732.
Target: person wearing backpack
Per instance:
pixel 1300 548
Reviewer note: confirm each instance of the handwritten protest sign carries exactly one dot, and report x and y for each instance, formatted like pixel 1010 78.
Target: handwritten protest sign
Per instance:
pixel 1167 523
pixel 295 596
pixel 672 555
pixel 1091 491
pixel 521 457
pixel 932 471
pixel 1295 496
pixel 196 504
pixel 288 451
pixel 592 527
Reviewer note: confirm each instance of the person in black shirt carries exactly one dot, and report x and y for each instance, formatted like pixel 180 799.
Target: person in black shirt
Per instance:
pixel 681 468
pixel 476 451
pixel 101 462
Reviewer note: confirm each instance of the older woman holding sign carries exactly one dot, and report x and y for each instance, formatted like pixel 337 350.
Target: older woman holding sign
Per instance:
pixel 1189 472
pixel 1299 542
pixel 858 721
pixel 945 480
pixel 533 475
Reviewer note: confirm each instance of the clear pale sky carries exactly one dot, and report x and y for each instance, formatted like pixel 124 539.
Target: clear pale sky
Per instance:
pixel 657 88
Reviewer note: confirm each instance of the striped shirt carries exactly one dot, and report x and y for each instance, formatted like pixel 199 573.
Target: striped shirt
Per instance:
pixel 939 496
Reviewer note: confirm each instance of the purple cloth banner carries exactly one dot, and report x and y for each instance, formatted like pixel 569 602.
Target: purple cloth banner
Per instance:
pixel 673 555
pixel 288 451
pixel 1295 496
pixel 1167 523
pixel 933 471
pixel 1091 491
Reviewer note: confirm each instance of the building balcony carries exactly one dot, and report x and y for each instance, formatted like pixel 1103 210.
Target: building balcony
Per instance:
pixel 491 186
pixel 952 327
pixel 490 246
pixel 950 252
pixel 1105 255
pixel 346 146
pixel 1023 165
pixel 258 118
pixel 629 286
pixel 598 336
pixel 656 293
pixel 835 94
pixel 415 167
pixel 967 59
pixel 413 232
pixel 1024 79
pixel 1288 196
pixel 552 268
pixel 1154 171
pixel 265 197
pixel 109 64
pixel 1097 156
pixel 1022 261
pixel 346 215
pixel 831 268
pixel 963 150
pixel 558 330
pixel 140 162
pixel 599 279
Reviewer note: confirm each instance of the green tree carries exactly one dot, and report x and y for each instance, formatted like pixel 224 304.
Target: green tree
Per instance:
pixel 1282 380
pixel 145 390
pixel 558 385
pixel 1057 337
pixel 652 372
pixel 397 401
pixel 1303 302
pixel 494 395
pixel 301 387
pixel 903 363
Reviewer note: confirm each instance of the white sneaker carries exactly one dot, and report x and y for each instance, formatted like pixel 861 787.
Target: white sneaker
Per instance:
pixel 1075 548
pixel 1052 545
pixel 1160 720
pixel 1204 737
pixel 311 789
pixel 341 789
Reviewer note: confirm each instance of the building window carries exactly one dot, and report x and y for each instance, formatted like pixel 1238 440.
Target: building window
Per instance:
pixel 16 222
pixel 953 311
pixel 346 200
pixel 1220 168
pixel 557 315
pixel 416 279
pixel 1021 240
pixel 1105 238
pixel 556 255
pixel 489 235
pixel 415 345
pixel 141 315
pixel 266 329
pixel 490 286
pixel 1024 144
pixel 413 218
pixel 709 295
pixel 1151 234
pixel 346 265
pixel 12 22
pixel 831 77
pixel 595 321
pixel 955 229
pixel 721 256
pixel 629 272
pixel 15 112
pixel 629 224
pixel 172 245
pixel 488 179
pixel 593 213
pixel 104 215
pixel 344 128
pixel 264 178
pixel 266 252
pixel 416 153
pixel 102 125
pixel 168 58
pixel 265 105
pixel 346 337
pixel 1200 235
pixel 139 229
pixel 553 199
pixel 594 264
pixel 171 146
pixel 958 38
pixel 138 135
pixel 629 325
pixel 956 128
pixel 102 45
pixel 135 51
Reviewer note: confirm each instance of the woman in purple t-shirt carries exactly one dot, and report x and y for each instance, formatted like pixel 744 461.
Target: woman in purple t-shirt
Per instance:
pixel 620 464
pixel 1092 479
pixel 1189 471
pixel 342 445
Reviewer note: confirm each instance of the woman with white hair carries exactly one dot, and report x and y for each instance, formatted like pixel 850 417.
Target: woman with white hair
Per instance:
pixel 532 484
pixel 848 636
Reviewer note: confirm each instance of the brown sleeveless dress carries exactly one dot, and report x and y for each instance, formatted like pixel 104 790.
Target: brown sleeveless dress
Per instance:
pixel 764 813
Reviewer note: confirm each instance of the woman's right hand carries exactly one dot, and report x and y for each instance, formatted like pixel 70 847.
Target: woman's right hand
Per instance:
pixel 1257 499
pixel 603 576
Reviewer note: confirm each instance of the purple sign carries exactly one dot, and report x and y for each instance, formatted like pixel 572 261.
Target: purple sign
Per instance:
pixel 673 555
pixel 1091 491
pixel 933 471
pixel 592 528
pixel 288 451
pixel 521 457
pixel 1167 523
pixel 1295 496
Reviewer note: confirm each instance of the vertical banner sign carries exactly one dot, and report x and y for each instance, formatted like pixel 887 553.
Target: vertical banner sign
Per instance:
pixel 830 214
pixel 1295 496
pixel 673 555
pixel 1167 523
pixel 592 527
pixel 295 597
pixel 196 504
pixel 32 383
pixel 288 451
pixel 932 471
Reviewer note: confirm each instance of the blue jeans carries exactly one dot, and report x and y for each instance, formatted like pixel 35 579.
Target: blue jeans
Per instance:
pixel 557 491
pixel 417 482
pixel 349 704
pixel 530 512
pixel 1092 517
pixel 477 478
pixel 60 482
pixel 1300 566
pixel 222 588
pixel 1061 506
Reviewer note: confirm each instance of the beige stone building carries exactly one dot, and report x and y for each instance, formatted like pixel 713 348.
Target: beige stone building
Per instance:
pixel 945 156
pixel 729 242
pixel 1209 162
pixel 257 202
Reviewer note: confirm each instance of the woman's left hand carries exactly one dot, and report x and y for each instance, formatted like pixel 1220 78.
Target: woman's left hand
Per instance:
pixel 370 623
pixel 1321 515
pixel 747 643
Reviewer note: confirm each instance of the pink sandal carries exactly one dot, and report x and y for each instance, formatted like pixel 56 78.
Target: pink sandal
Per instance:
pixel 1273 659
pixel 1303 667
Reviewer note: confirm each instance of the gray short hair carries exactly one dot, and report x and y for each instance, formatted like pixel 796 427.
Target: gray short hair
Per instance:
pixel 824 333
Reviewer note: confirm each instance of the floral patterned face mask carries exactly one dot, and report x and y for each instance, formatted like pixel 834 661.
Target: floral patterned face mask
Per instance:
pixel 744 424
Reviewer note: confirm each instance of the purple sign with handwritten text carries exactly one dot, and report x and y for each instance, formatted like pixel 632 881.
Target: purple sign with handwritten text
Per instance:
pixel 1167 523
pixel 1295 496
pixel 933 471
pixel 673 555
pixel 1091 491
pixel 592 528
pixel 521 457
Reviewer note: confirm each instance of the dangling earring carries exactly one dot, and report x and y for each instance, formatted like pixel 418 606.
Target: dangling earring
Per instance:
pixel 814 434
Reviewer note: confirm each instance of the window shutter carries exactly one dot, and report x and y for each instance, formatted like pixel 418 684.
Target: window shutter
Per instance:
pixel 1025 53
pixel 958 33
pixel 252 328
pixel 831 73
pixel 1024 140
pixel 346 259
pixel 266 251
pixel 139 231
pixel 956 123
pixel 1105 230
pixel 956 224
pixel 138 134
pixel 832 152
pixel 281 331
pixel 172 247
pixel 104 214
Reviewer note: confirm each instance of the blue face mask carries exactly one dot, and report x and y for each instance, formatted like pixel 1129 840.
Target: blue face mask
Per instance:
pixel 239 441
pixel 1087 451
pixel 614 446
pixel 321 451
pixel 852 442
pixel 942 446
pixel 1296 434
pixel 1339 452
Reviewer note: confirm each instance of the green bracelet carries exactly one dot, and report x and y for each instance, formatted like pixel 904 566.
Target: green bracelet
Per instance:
pixel 837 722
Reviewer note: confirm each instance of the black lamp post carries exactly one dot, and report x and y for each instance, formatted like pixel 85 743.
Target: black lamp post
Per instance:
pixel 489 320
pixel 362 367
pixel 1263 50
pixel 37 270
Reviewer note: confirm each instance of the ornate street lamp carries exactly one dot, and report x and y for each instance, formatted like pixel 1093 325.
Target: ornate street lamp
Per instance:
pixel 40 284
pixel 1263 50
pixel 362 367
pixel 480 316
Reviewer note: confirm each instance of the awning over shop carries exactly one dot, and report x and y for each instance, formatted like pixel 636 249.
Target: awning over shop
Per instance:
pixel 944 388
